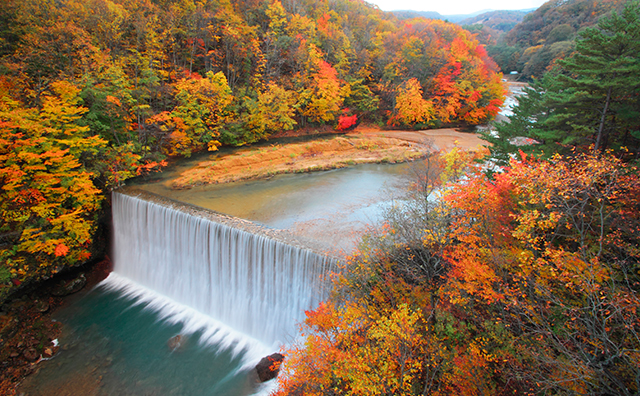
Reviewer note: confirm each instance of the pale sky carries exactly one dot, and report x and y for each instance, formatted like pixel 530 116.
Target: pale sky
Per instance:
pixel 452 7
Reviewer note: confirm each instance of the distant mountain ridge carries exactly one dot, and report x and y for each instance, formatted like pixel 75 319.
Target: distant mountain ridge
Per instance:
pixel 548 34
pixel 502 20
pixel 461 19
pixel 408 14
pixel 529 40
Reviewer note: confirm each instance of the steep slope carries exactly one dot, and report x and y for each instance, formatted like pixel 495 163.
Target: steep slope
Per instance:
pixel 503 21
pixel 547 34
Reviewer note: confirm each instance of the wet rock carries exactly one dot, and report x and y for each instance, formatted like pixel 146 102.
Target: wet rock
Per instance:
pixel 269 367
pixel 31 354
pixel 49 352
pixel 41 306
pixel 70 287
pixel 8 326
pixel 17 305
pixel 177 342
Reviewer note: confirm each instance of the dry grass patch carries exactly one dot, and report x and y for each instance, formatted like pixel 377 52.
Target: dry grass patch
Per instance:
pixel 332 153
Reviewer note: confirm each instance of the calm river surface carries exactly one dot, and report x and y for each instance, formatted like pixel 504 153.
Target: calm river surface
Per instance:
pixel 330 207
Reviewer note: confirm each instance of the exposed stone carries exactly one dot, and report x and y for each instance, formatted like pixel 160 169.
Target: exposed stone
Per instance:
pixel 177 342
pixel 8 326
pixel 70 287
pixel 17 305
pixel 30 354
pixel 49 352
pixel 269 367
pixel 42 306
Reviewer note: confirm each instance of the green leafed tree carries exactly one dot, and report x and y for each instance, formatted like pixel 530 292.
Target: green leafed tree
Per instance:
pixel 526 122
pixel 602 82
pixel 590 101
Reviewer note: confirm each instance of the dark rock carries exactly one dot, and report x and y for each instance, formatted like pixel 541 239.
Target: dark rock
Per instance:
pixel 42 306
pixel 70 287
pixel 17 305
pixel 30 354
pixel 269 367
pixel 8 326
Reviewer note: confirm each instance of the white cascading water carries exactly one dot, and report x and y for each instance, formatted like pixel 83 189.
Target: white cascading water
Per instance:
pixel 253 284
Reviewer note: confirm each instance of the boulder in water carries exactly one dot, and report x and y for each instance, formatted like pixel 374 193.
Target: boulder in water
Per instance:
pixel 269 367
pixel 176 342
pixel 48 352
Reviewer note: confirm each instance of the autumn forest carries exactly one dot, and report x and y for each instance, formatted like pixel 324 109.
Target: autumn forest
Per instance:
pixel 95 92
pixel 512 269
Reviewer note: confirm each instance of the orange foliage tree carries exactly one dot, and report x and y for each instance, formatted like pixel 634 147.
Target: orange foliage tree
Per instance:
pixel 527 283
pixel 323 99
pixel 456 79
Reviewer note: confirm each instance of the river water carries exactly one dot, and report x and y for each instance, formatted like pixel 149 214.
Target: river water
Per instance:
pixel 116 343
pixel 331 208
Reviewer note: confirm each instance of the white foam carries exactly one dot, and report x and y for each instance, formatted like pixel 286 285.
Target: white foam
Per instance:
pixel 255 285
pixel 212 332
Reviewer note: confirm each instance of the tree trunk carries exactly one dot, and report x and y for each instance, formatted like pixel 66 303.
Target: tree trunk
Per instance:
pixel 604 115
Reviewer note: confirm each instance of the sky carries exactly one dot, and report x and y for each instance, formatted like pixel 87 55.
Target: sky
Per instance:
pixel 452 7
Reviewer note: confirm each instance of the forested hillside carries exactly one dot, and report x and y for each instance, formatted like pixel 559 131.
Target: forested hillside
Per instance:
pixel 589 101
pixel 490 28
pixel 502 21
pixel 93 92
pixel 546 34
pixel 516 276
pixel 524 284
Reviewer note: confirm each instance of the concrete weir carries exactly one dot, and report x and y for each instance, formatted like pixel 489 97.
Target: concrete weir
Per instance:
pixel 255 280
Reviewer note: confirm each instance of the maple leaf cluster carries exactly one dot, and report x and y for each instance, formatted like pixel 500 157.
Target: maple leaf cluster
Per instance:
pixel 524 283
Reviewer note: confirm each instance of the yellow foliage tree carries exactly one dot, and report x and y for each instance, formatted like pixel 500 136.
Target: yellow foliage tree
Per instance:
pixel 411 107
pixel 48 196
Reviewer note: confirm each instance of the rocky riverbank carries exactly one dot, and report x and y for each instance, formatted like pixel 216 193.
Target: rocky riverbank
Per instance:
pixel 28 334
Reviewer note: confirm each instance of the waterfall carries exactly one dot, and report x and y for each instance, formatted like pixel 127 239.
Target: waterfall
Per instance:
pixel 252 283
